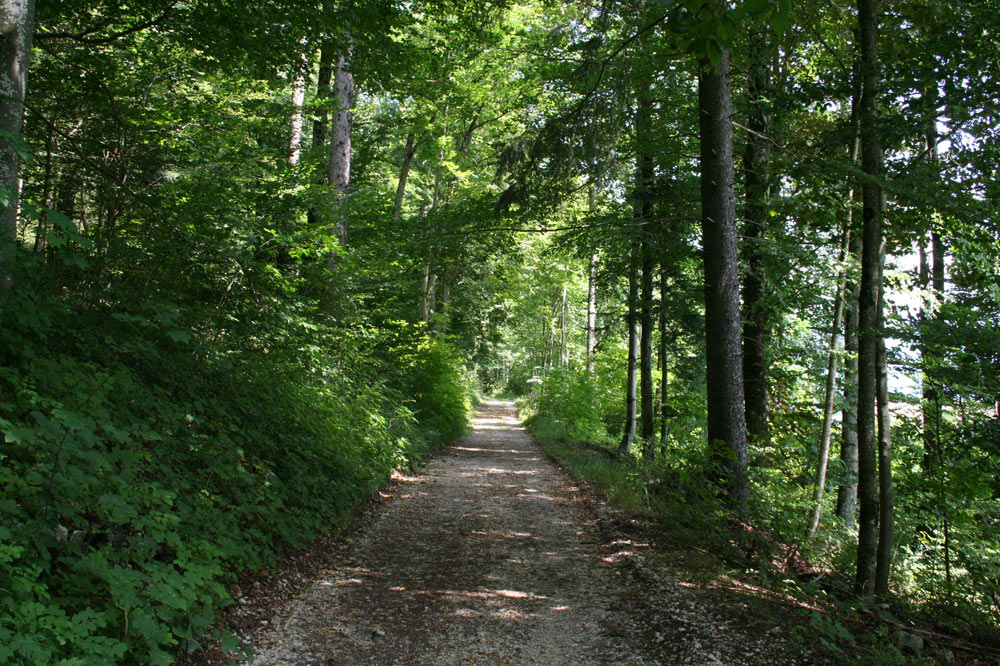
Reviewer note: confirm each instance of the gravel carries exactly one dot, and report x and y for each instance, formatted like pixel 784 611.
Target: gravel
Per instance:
pixel 490 556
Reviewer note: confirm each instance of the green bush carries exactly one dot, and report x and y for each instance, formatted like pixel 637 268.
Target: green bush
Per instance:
pixel 142 466
pixel 567 406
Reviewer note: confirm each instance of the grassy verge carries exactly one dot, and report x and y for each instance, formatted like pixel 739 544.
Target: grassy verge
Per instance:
pixel 748 577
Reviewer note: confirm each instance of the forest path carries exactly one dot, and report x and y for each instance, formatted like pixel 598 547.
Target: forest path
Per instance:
pixel 485 558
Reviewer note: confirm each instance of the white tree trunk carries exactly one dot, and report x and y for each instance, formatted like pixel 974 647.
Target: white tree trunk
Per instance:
pixel 298 99
pixel 592 313
pixel 591 293
pixel 340 144
pixel 17 19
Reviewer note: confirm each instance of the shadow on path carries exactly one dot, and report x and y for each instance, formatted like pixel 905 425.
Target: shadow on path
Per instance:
pixel 481 559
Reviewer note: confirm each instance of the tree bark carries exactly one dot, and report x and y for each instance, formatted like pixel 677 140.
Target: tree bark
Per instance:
pixel 404 173
pixel 631 322
pixel 930 404
pixel 17 21
pixel 592 313
pixel 664 359
pixel 648 427
pixel 324 77
pixel 592 295
pixel 727 437
pixel 644 215
pixel 339 174
pixel 298 100
pixel 847 493
pixel 563 330
pixel 883 555
pixel 871 278
pixel 321 124
pixel 831 386
pixel 756 165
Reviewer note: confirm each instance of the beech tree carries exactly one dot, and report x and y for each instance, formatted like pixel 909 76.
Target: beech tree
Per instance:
pixel 757 185
pixel 870 301
pixel 17 21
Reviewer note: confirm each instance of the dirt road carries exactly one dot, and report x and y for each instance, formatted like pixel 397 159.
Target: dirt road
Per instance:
pixel 485 558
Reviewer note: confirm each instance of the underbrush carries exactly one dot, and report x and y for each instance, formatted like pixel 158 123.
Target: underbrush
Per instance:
pixel 768 549
pixel 148 458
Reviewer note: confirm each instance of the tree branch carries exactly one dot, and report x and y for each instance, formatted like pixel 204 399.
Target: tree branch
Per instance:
pixel 82 37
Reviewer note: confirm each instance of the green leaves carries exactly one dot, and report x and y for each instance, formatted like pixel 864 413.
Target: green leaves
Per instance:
pixel 17 143
pixel 712 27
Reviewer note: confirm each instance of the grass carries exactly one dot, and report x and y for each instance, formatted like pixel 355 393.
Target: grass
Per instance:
pixel 732 564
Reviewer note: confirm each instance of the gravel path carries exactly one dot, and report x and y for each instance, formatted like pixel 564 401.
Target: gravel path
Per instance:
pixel 486 558
pixel 492 556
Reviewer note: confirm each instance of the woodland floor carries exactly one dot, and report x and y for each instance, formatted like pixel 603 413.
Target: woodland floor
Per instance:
pixel 492 555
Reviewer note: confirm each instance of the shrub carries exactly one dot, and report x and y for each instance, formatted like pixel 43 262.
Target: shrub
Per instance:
pixel 142 466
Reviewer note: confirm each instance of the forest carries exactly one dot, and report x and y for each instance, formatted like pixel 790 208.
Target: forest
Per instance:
pixel 256 256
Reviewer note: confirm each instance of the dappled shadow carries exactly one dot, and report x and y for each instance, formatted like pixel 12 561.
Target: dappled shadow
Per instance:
pixel 480 556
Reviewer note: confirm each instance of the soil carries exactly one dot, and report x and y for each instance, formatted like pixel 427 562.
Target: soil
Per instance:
pixel 494 556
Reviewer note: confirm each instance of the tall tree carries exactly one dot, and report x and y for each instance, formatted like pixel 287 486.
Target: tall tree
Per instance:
pixel 826 433
pixel 756 166
pixel 591 292
pixel 886 496
pixel 632 324
pixel 664 349
pixel 298 99
pixel 871 280
pixel 17 20
pixel 727 436
pixel 339 174
pixel 932 281
pixel 644 216
pixel 847 492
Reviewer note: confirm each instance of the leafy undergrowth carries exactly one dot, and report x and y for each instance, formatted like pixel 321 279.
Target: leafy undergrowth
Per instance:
pixel 756 580
pixel 148 459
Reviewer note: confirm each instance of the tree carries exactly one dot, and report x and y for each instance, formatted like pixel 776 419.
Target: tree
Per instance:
pixel 847 492
pixel 17 20
pixel 632 326
pixel 868 310
pixel 756 163
pixel 727 437
pixel 647 254
pixel 339 174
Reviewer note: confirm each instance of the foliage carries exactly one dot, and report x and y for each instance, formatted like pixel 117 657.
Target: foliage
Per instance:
pixel 568 407
pixel 142 468
pixel 194 376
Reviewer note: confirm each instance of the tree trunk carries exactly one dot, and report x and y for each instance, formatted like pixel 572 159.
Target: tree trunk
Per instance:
pixel 847 493
pixel 404 174
pixel 648 429
pixel 339 175
pixel 871 278
pixel 298 99
pixel 883 558
pixel 591 295
pixel 756 164
pixel 592 313
pixel 427 294
pixel 563 330
pixel 644 215
pixel 631 321
pixel 442 305
pixel 664 381
pixel 17 21
pixel 831 385
pixel 321 124
pixel 933 278
pixel 727 437
pixel 51 175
